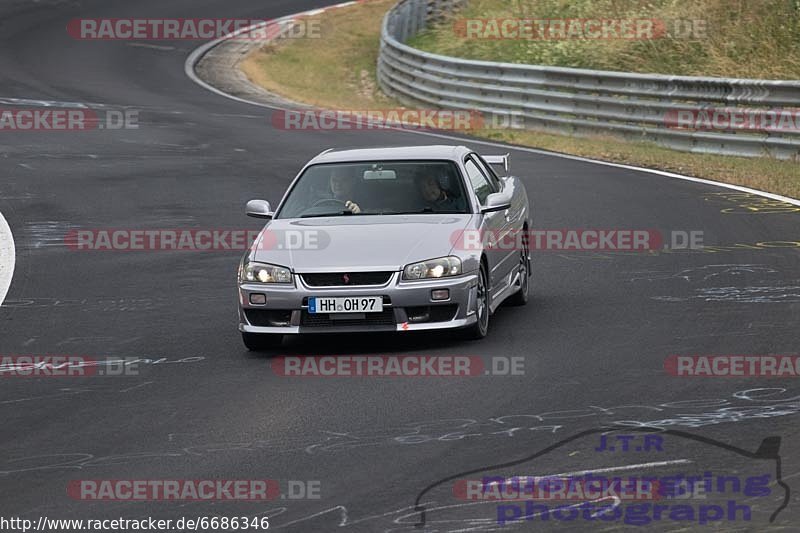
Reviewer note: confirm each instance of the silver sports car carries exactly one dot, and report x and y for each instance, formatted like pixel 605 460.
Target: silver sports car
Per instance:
pixel 387 239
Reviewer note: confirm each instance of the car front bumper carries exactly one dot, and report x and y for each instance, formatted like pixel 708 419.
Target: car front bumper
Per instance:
pixel 407 306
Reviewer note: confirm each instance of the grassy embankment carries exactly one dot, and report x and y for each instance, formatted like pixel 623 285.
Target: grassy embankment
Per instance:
pixel 745 38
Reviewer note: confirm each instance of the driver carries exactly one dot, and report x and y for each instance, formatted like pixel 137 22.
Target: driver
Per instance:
pixel 343 185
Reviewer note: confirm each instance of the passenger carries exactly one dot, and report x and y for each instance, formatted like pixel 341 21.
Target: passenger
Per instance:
pixel 435 196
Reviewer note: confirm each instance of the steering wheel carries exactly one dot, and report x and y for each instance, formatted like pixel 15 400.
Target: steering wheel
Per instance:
pixel 329 201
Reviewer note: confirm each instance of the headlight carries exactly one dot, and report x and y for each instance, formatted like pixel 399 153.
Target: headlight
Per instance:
pixel 433 268
pixel 264 273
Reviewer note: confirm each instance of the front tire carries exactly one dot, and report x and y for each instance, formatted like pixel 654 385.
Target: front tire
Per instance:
pixel 259 342
pixel 522 295
pixel 480 329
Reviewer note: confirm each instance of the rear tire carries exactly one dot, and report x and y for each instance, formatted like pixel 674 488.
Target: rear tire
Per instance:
pixel 480 329
pixel 259 342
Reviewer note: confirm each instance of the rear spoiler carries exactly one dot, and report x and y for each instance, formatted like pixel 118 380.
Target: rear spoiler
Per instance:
pixel 498 160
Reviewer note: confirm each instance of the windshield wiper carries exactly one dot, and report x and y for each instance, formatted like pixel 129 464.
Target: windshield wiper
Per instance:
pixel 426 211
pixel 420 212
pixel 345 212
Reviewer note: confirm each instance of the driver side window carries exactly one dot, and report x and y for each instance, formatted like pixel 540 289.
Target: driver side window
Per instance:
pixel 480 183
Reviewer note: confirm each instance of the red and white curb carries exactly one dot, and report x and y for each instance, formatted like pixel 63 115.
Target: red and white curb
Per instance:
pixel 197 54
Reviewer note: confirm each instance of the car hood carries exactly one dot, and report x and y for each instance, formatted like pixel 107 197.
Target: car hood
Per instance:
pixel 357 243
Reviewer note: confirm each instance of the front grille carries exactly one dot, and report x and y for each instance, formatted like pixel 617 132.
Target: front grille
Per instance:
pixel 348 279
pixel 384 318
pixel 268 317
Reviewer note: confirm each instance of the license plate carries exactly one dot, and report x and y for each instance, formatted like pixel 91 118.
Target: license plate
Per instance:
pixel 361 304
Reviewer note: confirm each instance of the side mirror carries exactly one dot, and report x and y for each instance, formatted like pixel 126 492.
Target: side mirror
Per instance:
pixel 259 209
pixel 498 201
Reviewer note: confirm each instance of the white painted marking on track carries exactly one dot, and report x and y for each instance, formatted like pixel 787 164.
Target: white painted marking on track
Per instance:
pixel 40 103
pixel 198 53
pixel 8 257
pixel 654 464
pixel 579 473
pixel 138 386
pixel 151 46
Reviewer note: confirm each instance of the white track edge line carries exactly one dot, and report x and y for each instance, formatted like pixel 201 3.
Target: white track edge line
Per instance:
pixel 7 258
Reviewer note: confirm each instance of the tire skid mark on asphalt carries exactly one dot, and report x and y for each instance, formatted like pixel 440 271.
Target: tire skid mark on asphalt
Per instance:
pixel 757 403
pixel 8 255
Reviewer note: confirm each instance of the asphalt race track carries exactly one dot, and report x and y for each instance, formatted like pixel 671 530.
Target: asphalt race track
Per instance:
pixel 594 336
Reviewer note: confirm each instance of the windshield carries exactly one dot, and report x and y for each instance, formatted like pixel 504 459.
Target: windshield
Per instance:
pixel 376 188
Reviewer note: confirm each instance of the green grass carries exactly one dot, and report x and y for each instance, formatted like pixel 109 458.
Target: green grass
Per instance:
pixel 743 38
pixel 336 71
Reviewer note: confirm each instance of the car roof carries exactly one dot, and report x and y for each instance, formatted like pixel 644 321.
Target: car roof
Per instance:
pixel 449 152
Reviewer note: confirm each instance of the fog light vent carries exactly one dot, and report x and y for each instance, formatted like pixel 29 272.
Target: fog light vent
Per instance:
pixel 440 294
pixel 258 298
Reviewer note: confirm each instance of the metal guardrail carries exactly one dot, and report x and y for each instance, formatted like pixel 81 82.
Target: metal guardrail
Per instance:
pixel 581 101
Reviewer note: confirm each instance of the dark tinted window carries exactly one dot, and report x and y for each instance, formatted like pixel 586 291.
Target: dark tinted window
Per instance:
pixel 377 188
